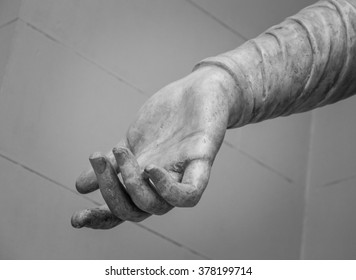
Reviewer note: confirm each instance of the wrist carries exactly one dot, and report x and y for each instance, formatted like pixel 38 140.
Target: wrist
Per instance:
pixel 228 85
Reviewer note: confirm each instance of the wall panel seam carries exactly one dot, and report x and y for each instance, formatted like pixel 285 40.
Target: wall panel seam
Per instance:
pixel 258 161
pixel 8 23
pixel 87 59
pixel 207 13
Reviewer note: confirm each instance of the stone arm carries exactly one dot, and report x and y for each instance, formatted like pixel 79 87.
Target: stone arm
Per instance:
pixel 307 61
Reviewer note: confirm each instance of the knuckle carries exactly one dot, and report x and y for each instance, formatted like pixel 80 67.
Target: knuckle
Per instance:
pixel 190 199
pixel 123 152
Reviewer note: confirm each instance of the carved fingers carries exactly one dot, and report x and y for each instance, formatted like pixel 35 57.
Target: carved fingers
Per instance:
pixel 113 192
pixel 96 218
pixel 189 191
pixel 142 193
pixel 86 182
pixel 144 196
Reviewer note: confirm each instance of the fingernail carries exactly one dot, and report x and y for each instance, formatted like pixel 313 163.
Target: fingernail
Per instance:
pixel 149 168
pixel 120 154
pixel 98 162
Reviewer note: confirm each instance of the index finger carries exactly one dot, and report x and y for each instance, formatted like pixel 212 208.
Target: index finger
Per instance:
pixel 87 181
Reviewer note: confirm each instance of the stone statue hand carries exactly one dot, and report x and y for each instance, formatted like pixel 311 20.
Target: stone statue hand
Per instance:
pixel 166 158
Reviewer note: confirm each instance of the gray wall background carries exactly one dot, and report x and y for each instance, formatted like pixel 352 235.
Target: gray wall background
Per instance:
pixel 72 71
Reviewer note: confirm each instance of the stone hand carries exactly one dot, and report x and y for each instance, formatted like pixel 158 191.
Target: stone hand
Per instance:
pixel 166 158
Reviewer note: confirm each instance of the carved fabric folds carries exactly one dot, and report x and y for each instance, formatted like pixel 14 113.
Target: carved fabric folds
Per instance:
pixel 307 61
